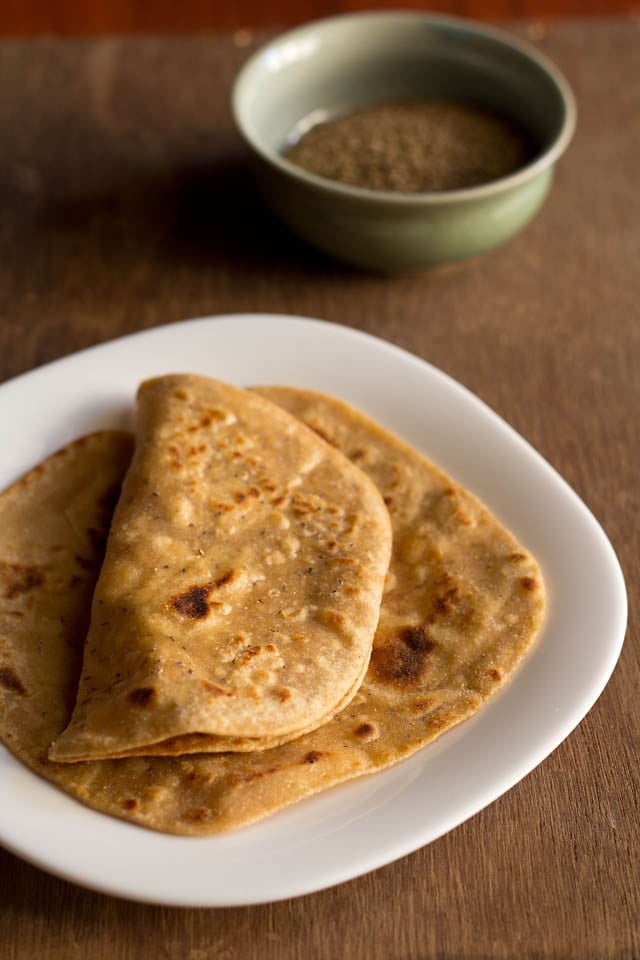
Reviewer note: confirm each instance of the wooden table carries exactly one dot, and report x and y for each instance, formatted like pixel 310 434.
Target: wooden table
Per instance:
pixel 126 204
pixel 94 17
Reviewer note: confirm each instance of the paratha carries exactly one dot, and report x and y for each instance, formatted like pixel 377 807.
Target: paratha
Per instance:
pixel 241 586
pixel 53 527
pixel 464 603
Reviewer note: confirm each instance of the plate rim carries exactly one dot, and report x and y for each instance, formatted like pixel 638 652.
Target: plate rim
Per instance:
pixel 130 889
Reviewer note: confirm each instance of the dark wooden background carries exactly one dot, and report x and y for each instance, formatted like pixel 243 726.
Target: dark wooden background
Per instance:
pixel 91 17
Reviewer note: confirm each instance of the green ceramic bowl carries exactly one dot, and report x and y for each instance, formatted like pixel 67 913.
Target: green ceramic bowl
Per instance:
pixel 330 66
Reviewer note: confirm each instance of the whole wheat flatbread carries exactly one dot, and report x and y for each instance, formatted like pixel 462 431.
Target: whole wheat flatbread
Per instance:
pixel 241 587
pixel 54 523
pixel 464 603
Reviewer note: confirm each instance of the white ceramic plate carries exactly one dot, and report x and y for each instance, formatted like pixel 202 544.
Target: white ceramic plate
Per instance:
pixel 364 824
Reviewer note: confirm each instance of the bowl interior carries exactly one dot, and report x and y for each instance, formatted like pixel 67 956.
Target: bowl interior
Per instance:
pixel 330 66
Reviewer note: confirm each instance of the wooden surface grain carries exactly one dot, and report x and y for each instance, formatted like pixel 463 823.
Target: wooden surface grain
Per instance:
pixel 126 204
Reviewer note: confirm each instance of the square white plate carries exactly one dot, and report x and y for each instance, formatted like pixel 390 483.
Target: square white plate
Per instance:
pixel 364 824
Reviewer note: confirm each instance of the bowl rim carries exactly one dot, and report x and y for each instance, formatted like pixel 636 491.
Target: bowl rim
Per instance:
pixel 522 175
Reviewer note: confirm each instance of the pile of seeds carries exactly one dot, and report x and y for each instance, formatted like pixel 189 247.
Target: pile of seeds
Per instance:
pixel 413 146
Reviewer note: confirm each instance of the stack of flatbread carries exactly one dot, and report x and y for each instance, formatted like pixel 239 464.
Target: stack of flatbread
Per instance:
pixel 261 595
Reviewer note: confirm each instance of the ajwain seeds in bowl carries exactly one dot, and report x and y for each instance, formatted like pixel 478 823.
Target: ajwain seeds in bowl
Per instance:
pixel 413 145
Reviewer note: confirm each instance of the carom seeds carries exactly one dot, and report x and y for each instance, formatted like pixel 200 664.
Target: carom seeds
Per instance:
pixel 413 146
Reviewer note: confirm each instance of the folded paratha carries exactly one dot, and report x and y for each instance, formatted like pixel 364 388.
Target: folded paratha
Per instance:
pixel 53 528
pixel 464 603
pixel 241 587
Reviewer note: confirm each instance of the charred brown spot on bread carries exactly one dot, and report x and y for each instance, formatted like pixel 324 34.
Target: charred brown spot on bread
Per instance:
pixel 250 776
pixel 517 557
pixel 175 456
pixel 528 583
pixel 312 757
pixel 19 578
pixel 193 450
pixel 193 603
pixel 403 659
pixel 332 618
pixel 366 731
pixel 221 507
pixel 388 500
pixel 196 815
pixel 142 696
pixel 358 455
pixel 215 690
pixel 445 602
pixel 213 413
pixel 10 680
pixel 180 394
pixel 284 694
pixel 495 674
pixel 242 496
pixel 322 433
pixel 246 656
pixel 130 804
pixel 301 509
pixel 227 577
pixel 422 705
